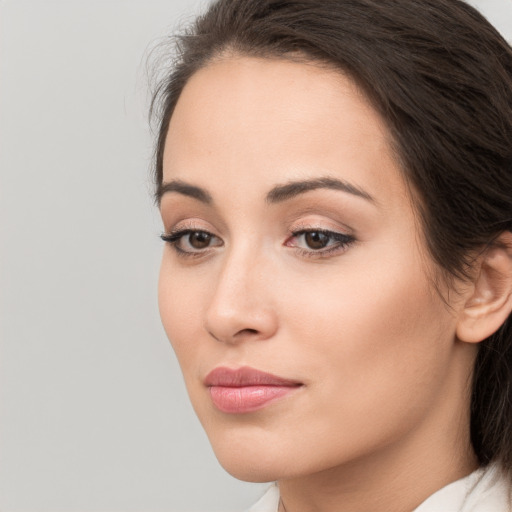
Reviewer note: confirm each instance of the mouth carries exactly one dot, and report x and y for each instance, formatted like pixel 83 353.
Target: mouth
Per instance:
pixel 243 390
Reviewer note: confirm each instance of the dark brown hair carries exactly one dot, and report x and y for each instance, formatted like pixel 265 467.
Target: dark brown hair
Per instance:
pixel 441 77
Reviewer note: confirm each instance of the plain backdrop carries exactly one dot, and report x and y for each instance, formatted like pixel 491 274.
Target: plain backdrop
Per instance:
pixel 93 413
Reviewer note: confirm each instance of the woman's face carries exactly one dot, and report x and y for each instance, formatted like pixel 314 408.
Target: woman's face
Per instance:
pixel 294 251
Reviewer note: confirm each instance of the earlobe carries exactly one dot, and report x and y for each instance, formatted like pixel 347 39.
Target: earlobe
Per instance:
pixel 490 302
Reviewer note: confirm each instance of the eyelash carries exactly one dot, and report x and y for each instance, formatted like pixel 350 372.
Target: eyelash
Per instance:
pixel 175 237
pixel 342 242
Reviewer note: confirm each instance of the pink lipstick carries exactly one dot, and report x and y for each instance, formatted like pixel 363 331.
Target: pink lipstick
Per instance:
pixel 246 389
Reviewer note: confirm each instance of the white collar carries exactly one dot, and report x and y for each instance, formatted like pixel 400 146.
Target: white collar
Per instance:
pixel 484 490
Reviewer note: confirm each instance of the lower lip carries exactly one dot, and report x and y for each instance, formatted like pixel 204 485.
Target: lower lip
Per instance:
pixel 239 400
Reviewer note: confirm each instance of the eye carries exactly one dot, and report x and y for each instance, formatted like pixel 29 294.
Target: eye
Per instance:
pixel 316 239
pixel 199 239
pixel 191 241
pixel 319 242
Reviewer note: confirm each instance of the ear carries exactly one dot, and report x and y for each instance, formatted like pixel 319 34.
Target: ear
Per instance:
pixel 490 302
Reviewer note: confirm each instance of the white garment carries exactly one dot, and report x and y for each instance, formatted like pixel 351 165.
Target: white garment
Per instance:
pixel 484 490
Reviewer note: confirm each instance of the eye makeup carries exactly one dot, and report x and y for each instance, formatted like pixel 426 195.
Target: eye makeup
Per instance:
pixel 308 242
pixel 318 242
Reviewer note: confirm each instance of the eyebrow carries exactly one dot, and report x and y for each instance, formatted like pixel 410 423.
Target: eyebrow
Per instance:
pixel 294 188
pixel 277 194
pixel 182 188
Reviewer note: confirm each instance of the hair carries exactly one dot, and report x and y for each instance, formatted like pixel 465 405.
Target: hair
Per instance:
pixel 441 77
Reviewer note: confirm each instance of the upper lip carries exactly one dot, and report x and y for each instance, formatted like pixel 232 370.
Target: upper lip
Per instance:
pixel 245 376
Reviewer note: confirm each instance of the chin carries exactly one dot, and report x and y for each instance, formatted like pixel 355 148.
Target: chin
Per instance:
pixel 250 457
pixel 252 468
pixel 251 472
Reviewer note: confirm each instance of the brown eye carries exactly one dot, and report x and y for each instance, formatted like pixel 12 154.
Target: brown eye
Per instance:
pixel 199 239
pixel 319 243
pixel 190 242
pixel 316 239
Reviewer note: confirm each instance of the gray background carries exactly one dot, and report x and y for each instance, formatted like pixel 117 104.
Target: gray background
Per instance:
pixel 93 413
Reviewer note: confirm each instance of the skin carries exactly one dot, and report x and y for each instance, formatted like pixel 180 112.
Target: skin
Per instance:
pixel 381 420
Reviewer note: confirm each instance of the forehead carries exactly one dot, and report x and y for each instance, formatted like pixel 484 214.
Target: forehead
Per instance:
pixel 252 119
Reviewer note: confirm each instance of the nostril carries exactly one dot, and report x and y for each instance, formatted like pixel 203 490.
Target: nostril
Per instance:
pixel 241 333
pixel 239 322
pixel 247 331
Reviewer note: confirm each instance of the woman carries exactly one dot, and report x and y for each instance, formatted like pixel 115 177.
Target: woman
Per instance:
pixel 335 183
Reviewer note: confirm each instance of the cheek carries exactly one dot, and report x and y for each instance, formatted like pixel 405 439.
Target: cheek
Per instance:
pixel 380 316
pixel 380 339
pixel 179 303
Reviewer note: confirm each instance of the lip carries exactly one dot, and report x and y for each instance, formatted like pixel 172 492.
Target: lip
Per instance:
pixel 245 389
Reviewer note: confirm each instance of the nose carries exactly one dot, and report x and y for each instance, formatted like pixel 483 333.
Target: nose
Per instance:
pixel 241 307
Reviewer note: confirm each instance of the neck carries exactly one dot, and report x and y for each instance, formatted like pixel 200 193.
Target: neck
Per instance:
pixel 397 477
pixel 388 485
